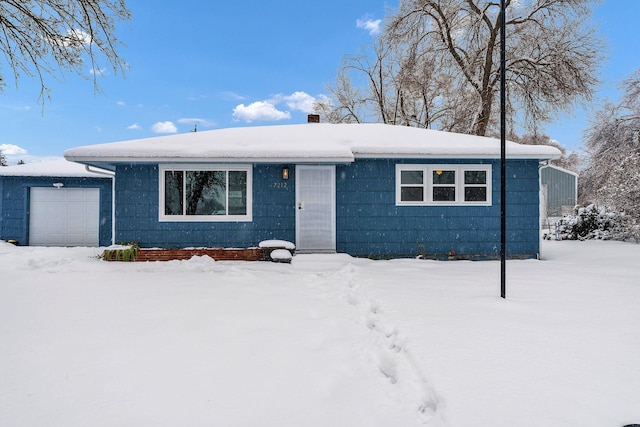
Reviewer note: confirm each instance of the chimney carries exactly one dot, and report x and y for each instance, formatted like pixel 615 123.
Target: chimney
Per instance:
pixel 313 118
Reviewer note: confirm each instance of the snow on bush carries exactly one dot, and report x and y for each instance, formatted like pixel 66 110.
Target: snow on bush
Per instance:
pixel 278 250
pixel 280 255
pixel 277 244
pixel 594 222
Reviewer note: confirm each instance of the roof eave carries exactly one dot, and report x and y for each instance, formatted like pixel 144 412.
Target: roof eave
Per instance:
pixel 454 156
pixel 552 166
pixel 112 161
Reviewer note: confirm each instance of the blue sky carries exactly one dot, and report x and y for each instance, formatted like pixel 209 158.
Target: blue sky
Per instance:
pixel 226 63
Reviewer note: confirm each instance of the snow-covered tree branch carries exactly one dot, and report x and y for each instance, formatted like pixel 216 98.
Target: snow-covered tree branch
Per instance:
pixel 612 177
pixel 40 38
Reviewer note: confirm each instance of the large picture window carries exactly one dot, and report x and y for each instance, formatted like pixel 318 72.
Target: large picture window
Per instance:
pixel 205 193
pixel 420 185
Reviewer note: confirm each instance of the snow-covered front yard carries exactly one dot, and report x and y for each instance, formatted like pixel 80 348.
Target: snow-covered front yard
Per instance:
pixel 328 340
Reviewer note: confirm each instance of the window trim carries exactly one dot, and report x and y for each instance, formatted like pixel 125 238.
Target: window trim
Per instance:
pixel 427 185
pixel 162 217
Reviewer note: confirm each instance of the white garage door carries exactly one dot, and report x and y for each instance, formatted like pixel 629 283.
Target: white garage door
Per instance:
pixel 64 217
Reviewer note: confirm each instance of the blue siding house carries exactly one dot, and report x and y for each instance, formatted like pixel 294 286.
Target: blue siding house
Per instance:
pixel 55 203
pixel 364 189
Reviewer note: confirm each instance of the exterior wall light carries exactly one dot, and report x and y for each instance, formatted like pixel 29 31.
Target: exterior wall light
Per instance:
pixel 285 172
pixel 58 185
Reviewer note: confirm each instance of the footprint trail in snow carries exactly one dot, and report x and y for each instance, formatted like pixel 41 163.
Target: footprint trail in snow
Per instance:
pixel 388 350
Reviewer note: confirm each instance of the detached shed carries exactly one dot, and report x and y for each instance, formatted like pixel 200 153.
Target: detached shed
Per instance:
pixel 559 191
pixel 55 203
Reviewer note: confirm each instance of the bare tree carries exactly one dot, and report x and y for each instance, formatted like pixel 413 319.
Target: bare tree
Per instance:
pixel 569 161
pixel 391 83
pixel 3 159
pixel 349 99
pixel 40 38
pixel 612 177
pixel 445 59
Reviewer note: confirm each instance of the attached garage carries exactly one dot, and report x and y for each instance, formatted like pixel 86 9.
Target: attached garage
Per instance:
pixel 64 217
pixel 56 203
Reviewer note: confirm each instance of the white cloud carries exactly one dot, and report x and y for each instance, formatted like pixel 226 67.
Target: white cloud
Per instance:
pixel 267 110
pixel 97 71
pixel 13 153
pixel 79 36
pixel 134 126
pixel 121 104
pixel 12 150
pixel 371 25
pixel 260 110
pixel 74 39
pixel 299 101
pixel 164 127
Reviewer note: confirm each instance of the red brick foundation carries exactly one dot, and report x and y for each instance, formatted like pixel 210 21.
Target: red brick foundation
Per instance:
pixel 218 254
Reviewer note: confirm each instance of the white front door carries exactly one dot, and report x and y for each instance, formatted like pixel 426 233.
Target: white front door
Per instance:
pixel 315 208
pixel 64 216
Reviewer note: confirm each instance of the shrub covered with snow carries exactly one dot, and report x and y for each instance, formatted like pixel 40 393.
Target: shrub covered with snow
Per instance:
pixel 277 244
pixel 278 250
pixel 281 255
pixel 594 222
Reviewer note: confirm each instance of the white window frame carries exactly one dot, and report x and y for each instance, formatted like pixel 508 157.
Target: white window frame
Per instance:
pixel 399 169
pixel 427 173
pixel 162 217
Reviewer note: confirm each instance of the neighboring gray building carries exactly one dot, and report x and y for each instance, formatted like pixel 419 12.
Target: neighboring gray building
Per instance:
pixel 559 188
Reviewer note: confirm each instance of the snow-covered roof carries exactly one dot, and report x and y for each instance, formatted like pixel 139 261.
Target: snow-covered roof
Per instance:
pixel 558 168
pixel 53 168
pixel 327 143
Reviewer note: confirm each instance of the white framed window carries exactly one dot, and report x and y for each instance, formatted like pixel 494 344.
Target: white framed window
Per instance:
pixel 465 184
pixel 410 185
pixel 205 193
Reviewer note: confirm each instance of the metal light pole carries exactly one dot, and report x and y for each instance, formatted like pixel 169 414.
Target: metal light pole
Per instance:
pixel 503 156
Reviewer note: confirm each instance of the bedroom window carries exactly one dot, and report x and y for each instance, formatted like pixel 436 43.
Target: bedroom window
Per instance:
pixel 420 185
pixel 475 185
pixel 412 185
pixel 443 185
pixel 205 193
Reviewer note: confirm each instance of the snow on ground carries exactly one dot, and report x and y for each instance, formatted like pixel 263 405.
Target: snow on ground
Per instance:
pixel 327 340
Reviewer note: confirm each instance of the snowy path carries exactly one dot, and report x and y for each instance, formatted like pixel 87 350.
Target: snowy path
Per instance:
pixel 385 347
pixel 393 359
